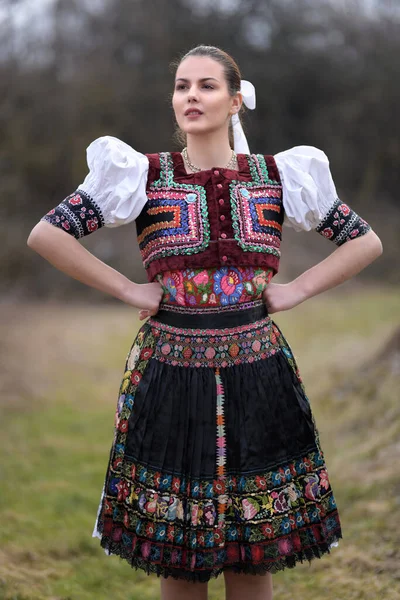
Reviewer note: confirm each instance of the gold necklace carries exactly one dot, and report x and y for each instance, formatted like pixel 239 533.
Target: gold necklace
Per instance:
pixel 230 165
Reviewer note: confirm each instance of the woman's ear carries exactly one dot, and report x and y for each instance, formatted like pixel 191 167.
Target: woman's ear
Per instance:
pixel 237 102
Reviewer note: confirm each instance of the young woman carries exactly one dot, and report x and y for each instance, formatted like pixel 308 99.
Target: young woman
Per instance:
pixel 216 464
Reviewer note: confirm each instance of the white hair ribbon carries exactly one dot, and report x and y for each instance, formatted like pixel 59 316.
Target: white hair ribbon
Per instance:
pixel 240 144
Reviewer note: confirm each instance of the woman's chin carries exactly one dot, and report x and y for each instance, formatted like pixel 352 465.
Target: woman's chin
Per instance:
pixel 194 129
pixel 198 130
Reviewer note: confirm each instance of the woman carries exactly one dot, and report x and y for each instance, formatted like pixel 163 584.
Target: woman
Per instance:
pixel 216 464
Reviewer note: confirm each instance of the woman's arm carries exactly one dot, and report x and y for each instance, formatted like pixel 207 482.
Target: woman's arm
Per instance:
pixel 65 253
pixel 345 262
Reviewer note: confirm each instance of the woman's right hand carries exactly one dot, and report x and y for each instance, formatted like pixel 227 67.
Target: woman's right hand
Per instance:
pixel 69 256
pixel 146 297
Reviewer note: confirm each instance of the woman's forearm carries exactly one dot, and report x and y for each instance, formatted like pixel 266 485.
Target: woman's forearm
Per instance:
pixel 65 253
pixel 345 262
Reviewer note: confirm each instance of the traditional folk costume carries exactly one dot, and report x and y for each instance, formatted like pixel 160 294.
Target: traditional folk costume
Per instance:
pixel 216 461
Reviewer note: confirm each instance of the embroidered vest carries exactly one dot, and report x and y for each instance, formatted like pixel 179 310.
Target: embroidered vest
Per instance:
pixel 217 217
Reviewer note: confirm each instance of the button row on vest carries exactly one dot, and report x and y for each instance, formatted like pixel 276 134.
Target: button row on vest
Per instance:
pixel 224 258
pixel 223 235
pixel 216 172
pixel 222 217
pixel 221 201
pixel 219 185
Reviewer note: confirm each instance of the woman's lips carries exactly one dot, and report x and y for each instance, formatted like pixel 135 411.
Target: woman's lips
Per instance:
pixel 193 115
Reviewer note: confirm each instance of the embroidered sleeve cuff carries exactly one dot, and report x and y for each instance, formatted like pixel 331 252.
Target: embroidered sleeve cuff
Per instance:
pixel 342 224
pixel 78 215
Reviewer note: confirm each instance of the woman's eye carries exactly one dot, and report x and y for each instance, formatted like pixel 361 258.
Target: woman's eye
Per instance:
pixel 182 86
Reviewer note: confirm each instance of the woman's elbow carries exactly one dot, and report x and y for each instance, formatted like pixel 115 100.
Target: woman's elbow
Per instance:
pixel 378 245
pixel 374 247
pixel 33 237
pixel 37 235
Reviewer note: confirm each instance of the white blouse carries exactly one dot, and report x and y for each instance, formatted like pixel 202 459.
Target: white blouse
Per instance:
pixel 117 181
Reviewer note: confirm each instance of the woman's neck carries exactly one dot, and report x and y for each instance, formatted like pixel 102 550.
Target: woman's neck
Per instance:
pixel 206 152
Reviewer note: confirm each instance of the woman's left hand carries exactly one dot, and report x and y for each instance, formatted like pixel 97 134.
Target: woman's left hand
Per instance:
pixel 282 296
pixel 345 262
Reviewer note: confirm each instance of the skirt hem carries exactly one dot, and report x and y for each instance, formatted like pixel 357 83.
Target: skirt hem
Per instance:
pixel 203 576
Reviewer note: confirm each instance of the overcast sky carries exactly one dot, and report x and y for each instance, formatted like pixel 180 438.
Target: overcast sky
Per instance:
pixel 34 11
pixel 27 9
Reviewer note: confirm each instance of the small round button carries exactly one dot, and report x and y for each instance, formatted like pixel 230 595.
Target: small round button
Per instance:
pixel 222 217
pixel 216 172
pixel 190 198
pixel 245 193
pixel 223 235
pixel 219 185
pixel 224 258
pixel 221 201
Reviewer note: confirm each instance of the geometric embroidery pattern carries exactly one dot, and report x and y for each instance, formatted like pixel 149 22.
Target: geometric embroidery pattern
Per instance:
pixel 257 214
pixel 221 458
pixel 175 218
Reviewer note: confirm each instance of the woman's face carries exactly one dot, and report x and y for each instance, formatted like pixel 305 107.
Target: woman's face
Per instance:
pixel 201 100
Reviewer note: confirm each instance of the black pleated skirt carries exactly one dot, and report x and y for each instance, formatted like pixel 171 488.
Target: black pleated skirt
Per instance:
pixel 216 462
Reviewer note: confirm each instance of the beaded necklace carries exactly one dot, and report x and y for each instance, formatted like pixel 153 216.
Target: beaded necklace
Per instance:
pixel 230 165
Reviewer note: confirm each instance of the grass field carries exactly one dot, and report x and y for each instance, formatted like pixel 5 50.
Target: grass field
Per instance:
pixel 60 372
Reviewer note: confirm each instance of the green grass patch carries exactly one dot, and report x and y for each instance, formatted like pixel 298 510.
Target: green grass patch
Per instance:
pixel 57 431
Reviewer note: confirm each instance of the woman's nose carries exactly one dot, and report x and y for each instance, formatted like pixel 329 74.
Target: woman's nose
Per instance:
pixel 192 95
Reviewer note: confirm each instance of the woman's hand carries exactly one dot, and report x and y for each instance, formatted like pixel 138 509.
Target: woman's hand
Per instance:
pixel 282 296
pixel 345 262
pixel 69 256
pixel 145 296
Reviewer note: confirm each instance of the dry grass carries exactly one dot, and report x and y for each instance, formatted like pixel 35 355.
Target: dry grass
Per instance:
pixel 60 371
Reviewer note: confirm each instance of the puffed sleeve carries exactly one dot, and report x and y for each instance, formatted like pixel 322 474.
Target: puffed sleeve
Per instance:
pixel 310 199
pixel 112 194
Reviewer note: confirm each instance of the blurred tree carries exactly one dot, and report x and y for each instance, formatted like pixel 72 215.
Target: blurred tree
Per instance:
pixel 326 75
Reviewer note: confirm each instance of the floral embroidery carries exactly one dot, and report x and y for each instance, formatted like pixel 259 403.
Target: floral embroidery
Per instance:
pixel 342 224
pixel 215 348
pixel 78 214
pixel 214 287
pixel 174 287
pixel 228 285
pixel 136 361
pixel 150 507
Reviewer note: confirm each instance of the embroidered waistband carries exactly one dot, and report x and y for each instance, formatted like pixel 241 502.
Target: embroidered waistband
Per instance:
pixel 205 319
pixel 195 310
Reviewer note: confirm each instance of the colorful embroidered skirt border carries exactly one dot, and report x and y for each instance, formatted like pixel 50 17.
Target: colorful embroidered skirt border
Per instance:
pixel 216 461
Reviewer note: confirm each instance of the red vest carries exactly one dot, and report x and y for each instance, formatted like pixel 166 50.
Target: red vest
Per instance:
pixel 212 218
